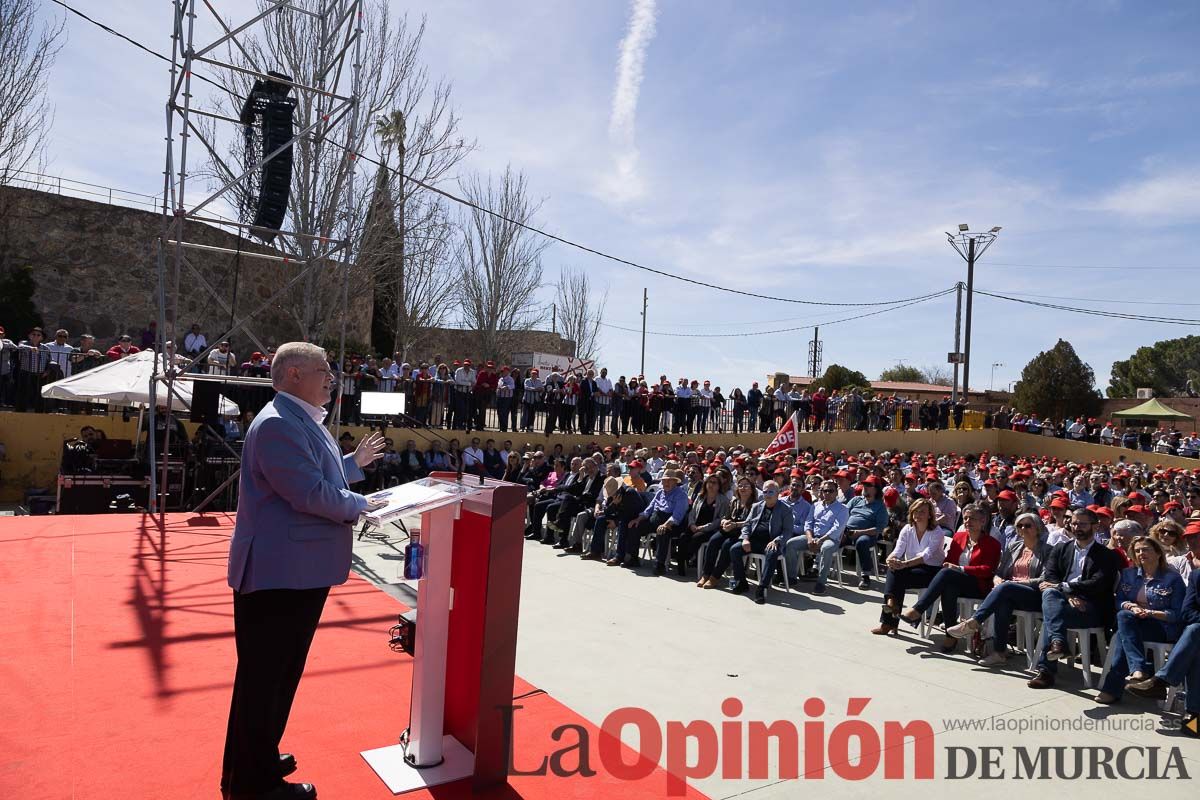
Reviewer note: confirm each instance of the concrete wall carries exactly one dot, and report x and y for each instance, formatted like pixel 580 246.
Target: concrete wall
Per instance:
pixel 1027 444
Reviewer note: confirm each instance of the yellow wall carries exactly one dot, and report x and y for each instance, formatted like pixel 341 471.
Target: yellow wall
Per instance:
pixel 34 444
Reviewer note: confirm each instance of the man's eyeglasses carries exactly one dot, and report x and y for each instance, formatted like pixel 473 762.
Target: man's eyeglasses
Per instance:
pixel 1024 525
pixel 770 492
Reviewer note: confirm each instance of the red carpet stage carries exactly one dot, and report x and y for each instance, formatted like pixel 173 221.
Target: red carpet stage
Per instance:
pixel 118 657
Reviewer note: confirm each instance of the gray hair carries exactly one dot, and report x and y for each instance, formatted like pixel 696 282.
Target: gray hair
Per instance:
pixel 1038 525
pixel 1126 527
pixel 294 354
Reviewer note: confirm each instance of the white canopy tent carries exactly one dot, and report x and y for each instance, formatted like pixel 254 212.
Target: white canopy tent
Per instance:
pixel 125 382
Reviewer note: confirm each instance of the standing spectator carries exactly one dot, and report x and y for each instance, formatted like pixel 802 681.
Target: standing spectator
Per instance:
pixel 464 385
pixel 8 349
pixel 531 399
pixel 149 335
pixel 61 352
pixel 33 359
pixel 586 403
pixel 123 347
pixel 703 403
pixel 602 400
pixel 754 399
pixel 194 344
pixel 739 409
pixel 505 385
pixel 351 376
pixel 484 392
pixel 222 361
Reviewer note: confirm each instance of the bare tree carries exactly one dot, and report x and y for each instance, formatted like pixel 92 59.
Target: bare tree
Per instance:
pixel 294 44
pixel 499 262
pixel 26 54
pixel 579 313
pixel 938 376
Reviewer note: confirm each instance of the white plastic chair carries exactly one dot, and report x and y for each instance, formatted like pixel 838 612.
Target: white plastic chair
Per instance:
pixel 841 567
pixel 1079 640
pixel 1028 627
pixel 759 562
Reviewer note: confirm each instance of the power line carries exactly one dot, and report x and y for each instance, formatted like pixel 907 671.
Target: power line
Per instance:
pixel 532 229
pixel 1095 312
pixel 1120 301
pixel 781 330
pixel 1089 266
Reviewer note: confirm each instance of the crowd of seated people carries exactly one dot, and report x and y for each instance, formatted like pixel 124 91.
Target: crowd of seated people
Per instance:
pixel 1014 535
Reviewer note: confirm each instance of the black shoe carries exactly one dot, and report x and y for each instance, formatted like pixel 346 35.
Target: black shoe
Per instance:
pixel 740 587
pixel 1056 651
pixel 818 588
pixel 560 545
pixel 632 562
pixel 285 791
pixel 549 540
pixel 865 583
pixel 572 548
pixel 681 569
pixel 760 598
pixel 287 765
pixel 660 569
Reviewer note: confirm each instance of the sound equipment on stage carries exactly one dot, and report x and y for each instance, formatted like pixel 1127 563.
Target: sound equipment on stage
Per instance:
pixel 114 449
pixel 101 494
pixel 206 402
pixel 267 126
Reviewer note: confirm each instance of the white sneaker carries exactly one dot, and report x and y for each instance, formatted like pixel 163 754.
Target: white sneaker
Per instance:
pixel 962 630
pixel 993 660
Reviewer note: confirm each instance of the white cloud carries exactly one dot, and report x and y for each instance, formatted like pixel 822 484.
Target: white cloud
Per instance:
pixel 626 183
pixel 1163 198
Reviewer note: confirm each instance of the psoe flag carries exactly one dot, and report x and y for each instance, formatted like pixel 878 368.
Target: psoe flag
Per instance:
pixel 785 439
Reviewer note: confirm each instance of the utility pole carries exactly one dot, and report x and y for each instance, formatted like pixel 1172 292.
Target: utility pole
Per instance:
pixel 645 300
pixel 967 330
pixel 958 291
pixel 553 318
pixel 814 354
pixel 964 242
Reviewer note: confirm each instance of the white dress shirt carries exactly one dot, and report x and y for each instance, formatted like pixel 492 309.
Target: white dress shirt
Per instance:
pixel 931 547
pixel 1077 562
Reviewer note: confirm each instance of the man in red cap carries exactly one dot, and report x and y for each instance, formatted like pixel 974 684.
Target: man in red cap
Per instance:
pixel 867 519
pixel 1003 528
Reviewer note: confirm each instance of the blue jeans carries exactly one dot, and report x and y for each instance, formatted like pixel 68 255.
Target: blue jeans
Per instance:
pixel 797 546
pixel 1184 665
pixel 948 585
pixel 1057 616
pixel 737 558
pixel 1129 648
pixel 1001 602
pixel 865 546
pixel 716 557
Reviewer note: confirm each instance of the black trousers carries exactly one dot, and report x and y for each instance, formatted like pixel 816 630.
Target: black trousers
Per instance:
pixel 273 629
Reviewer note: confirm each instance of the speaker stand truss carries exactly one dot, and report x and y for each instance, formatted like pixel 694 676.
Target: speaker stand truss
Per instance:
pixel 199 33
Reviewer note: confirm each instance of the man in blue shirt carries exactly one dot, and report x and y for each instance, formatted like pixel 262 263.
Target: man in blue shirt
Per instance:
pixel 867 519
pixel 822 535
pixel 801 511
pixel 664 516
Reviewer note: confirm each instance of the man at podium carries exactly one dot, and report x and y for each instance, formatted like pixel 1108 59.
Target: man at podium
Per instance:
pixel 291 542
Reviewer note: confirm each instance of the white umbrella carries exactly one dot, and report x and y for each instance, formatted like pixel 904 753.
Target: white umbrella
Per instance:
pixel 125 382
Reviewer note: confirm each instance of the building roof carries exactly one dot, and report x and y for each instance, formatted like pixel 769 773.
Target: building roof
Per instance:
pixel 899 387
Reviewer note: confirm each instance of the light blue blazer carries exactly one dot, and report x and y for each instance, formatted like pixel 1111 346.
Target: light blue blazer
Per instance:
pixel 295 510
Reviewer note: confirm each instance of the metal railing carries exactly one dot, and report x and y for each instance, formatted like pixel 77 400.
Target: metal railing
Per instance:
pixel 69 187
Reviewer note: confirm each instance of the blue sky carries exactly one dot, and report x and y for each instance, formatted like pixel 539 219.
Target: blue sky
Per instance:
pixel 812 151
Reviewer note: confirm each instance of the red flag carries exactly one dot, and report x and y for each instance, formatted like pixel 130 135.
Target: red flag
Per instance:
pixel 784 440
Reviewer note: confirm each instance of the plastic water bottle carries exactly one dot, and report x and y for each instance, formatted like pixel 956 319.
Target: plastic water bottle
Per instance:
pixel 414 558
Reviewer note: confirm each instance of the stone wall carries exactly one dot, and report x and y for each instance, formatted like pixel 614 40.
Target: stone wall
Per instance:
pixel 95 270
pixel 453 343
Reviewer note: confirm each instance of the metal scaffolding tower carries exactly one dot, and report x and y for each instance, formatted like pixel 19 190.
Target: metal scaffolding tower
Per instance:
pixel 306 242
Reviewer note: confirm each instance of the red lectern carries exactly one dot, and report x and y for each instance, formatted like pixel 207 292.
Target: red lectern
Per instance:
pixel 465 654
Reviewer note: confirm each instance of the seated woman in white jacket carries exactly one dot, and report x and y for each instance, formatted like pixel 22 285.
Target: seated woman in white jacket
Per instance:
pixel 918 555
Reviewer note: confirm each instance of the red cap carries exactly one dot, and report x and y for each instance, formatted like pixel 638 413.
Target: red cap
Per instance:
pixel 1104 511
pixel 1172 505
pixel 1006 495
pixel 1058 502
pixel 1192 529
pixel 891 496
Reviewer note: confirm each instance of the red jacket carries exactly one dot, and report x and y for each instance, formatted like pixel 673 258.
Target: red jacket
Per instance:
pixel 984 558
pixel 115 354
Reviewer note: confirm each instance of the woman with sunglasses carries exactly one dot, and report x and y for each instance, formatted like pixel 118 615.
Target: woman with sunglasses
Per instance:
pixel 716 556
pixel 708 508
pixel 1168 534
pixel 1014 587
pixel 1149 605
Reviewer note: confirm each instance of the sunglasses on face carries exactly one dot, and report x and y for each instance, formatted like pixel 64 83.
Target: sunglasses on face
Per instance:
pixel 770 492
pixel 1024 525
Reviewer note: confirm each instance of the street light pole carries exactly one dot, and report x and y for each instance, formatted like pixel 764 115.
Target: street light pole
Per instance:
pixel 992 379
pixel 958 291
pixel 971 246
pixel 645 300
